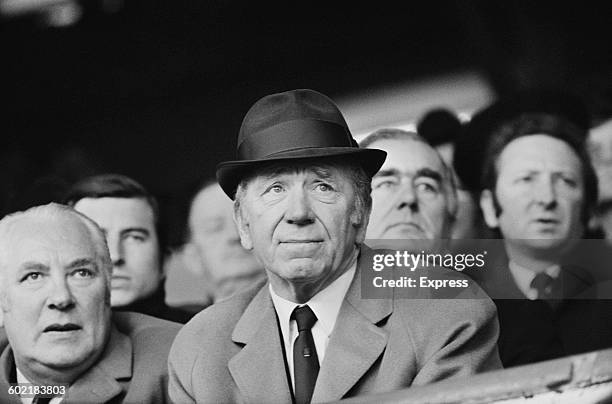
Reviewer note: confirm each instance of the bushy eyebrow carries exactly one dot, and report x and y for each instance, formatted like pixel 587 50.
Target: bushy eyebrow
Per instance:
pixel 321 172
pixel 421 172
pixel 40 267
pixel 33 266
pixel 82 262
pixel 387 173
pixel 429 173
pixel 136 229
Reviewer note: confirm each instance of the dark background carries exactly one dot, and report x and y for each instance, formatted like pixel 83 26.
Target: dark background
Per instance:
pixel 157 90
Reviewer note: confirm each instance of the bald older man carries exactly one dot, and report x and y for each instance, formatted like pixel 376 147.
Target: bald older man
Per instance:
pixel 64 344
pixel 413 193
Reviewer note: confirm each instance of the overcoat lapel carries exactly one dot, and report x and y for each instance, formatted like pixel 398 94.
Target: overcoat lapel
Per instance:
pixel 356 342
pixel 259 368
pixel 7 369
pixel 99 384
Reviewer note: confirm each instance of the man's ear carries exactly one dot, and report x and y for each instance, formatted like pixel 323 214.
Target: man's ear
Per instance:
pixel 360 219
pixel 242 224
pixel 487 204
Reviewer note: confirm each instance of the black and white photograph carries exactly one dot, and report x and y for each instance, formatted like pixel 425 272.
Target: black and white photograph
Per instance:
pixel 231 201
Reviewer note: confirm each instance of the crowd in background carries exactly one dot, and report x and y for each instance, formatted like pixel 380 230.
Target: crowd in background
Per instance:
pixel 532 169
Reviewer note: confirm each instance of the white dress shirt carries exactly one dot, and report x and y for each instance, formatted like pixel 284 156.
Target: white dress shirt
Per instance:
pixel 325 305
pixel 524 276
pixel 28 400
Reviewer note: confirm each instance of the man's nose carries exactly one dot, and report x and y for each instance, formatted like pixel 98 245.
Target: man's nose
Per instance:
pixel 60 296
pixel 115 248
pixel 299 210
pixel 545 192
pixel 406 196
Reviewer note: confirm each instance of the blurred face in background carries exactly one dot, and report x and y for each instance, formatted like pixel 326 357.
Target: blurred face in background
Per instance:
pixel 215 238
pixel 129 226
pixel 412 194
pixel 600 150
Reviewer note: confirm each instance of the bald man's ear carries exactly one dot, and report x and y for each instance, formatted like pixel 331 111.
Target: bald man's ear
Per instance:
pixel 242 224
pixel 487 204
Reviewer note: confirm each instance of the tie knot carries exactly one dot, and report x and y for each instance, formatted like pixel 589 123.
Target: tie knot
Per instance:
pixel 543 283
pixel 304 317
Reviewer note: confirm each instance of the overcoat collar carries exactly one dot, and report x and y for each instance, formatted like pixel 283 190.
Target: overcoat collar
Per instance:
pixel 355 344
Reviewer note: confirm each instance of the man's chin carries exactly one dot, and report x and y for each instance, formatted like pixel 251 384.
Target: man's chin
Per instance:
pixel 547 243
pixel 121 297
pixel 405 233
pixel 64 358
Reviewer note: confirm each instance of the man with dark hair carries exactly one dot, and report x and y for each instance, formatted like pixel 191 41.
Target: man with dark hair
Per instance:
pixel 129 216
pixel 301 190
pixel 63 343
pixel 539 192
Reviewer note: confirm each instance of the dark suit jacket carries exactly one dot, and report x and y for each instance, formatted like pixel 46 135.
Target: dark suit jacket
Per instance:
pixel 132 368
pixel 534 331
pixel 155 306
pixel 232 351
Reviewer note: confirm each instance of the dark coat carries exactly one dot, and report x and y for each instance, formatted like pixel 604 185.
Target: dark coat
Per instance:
pixel 537 330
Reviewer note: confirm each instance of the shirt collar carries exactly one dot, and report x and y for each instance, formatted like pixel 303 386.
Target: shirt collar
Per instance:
pixel 21 377
pixel 325 304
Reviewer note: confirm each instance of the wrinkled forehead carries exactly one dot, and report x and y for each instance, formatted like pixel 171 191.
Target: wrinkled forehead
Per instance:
pixel 538 151
pixel 409 156
pixel 320 168
pixel 28 238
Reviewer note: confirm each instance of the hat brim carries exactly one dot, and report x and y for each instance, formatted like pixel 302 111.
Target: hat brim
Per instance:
pixel 230 173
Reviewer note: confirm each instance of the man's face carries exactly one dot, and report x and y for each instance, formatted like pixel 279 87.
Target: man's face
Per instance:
pixel 410 193
pixel 302 223
pixel 129 225
pixel 540 192
pixel 600 150
pixel 54 295
pixel 214 234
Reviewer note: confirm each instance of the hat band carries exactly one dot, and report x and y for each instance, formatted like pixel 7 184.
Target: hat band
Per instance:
pixel 292 135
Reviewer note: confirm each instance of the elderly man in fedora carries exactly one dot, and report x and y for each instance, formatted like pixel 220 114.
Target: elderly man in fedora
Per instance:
pixel 302 199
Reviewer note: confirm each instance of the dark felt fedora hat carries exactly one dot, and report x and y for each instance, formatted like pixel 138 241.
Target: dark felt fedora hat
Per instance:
pixel 293 125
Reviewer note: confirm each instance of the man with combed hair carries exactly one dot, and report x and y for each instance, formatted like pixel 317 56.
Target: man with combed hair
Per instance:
pixel 302 201
pixel 539 191
pixel 61 336
pixel 129 216
pixel 413 193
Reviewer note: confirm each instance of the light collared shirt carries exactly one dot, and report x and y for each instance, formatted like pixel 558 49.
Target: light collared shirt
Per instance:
pixel 325 305
pixel 524 276
pixel 28 400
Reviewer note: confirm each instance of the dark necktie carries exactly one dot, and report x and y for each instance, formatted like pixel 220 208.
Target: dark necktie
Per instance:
pixel 305 359
pixel 41 400
pixel 543 283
